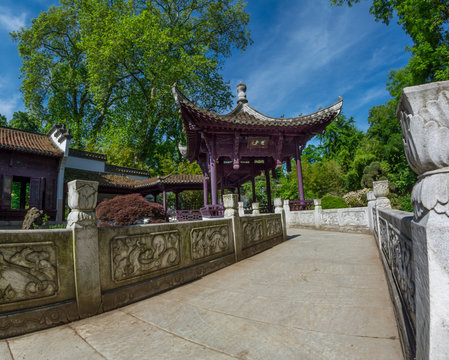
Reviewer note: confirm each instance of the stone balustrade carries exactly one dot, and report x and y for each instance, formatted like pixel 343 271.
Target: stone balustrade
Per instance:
pixel 345 220
pixel 51 277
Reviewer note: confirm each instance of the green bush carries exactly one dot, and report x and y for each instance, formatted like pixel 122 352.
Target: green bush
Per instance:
pixel 333 202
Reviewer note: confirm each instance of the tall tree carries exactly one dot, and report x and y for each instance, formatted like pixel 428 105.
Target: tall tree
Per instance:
pixel 138 50
pixel 105 68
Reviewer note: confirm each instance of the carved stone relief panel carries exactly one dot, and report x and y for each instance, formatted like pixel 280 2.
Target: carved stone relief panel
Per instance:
pixel 385 239
pixel 401 265
pixel 253 232
pixel 330 218
pixel 207 241
pixel 274 227
pixel 28 271
pixel 307 218
pixel 374 213
pixel 355 218
pixel 137 255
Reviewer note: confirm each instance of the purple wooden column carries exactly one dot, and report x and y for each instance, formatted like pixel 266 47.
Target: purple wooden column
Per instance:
pixel 253 183
pixel 238 192
pixel 267 179
pixel 299 174
pixel 213 180
pixel 177 201
pixel 164 202
pixel 205 189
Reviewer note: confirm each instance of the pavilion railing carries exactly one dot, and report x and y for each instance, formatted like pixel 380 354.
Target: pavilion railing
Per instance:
pixel 298 205
pixel 186 215
pixel 212 211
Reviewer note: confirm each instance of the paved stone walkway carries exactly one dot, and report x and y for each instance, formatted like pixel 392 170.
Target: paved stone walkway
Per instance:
pixel 320 295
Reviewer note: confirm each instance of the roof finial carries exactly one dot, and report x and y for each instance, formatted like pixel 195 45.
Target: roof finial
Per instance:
pixel 241 91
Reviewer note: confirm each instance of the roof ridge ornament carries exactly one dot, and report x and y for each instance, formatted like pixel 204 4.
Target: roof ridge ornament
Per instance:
pixel 241 91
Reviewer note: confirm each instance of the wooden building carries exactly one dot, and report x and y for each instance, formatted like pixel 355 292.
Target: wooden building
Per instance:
pixel 234 148
pixel 32 171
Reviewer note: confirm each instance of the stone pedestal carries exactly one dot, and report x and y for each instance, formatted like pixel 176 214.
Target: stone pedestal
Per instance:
pixel 231 205
pixel 279 209
pixel 255 207
pixel 82 199
pixel 424 115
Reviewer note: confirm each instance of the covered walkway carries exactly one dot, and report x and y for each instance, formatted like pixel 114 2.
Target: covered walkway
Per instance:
pixel 320 295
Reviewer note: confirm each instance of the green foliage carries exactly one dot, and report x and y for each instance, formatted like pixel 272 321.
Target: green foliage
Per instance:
pixel 373 172
pixel 340 141
pixel 333 202
pixel 106 69
pixel 23 121
pixel 3 120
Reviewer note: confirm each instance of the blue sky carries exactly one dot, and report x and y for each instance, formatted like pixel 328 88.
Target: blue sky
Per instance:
pixel 305 54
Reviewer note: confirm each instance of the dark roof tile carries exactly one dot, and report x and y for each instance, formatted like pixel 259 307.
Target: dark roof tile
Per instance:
pixel 19 140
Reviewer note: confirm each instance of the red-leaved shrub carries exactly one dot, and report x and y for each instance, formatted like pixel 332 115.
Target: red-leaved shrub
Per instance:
pixel 127 209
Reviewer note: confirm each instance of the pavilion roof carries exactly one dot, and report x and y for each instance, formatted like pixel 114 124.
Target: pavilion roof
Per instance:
pixel 243 115
pixel 126 182
pixel 29 142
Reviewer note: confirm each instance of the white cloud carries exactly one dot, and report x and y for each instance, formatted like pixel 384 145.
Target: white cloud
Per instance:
pixel 9 105
pixel 11 21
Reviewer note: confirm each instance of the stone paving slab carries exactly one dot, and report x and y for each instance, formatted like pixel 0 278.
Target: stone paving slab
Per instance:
pixel 320 295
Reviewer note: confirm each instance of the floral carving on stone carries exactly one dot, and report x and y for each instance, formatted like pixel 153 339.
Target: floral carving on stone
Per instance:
pixel 424 116
pixel 253 232
pixel 274 227
pixel 82 195
pixel 27 271
pixel 82 199
pixel 207 241
pixel 137 255
pixel 380 188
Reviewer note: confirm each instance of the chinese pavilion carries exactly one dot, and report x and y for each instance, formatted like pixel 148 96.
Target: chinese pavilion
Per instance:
pixel 234 148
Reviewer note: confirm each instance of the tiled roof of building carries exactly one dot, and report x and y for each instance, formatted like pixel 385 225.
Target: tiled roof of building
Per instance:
pixel 126 170
pixel 104 179
pixel 87 154
pixel 174 179
pixel 20 140
pixel 244 114
pixel 122 181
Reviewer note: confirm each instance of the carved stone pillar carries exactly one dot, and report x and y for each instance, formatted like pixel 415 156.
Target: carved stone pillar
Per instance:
pixel 317 213
pixel 231 204
pixel 279 209
pixel 380 190
pixel 424 115
pixel 371 208
pixel 241 208
pixel 82 200
pixel 255 207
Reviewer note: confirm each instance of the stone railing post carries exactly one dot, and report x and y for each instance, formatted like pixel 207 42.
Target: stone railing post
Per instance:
pixel 424 115
pixel 371 208
pixel 231 205
pixel 317 212
pixel 241 208
pixel 256 208
pixel 380 190
pixel 82 199
pixel 279 209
